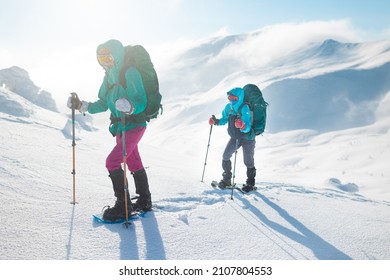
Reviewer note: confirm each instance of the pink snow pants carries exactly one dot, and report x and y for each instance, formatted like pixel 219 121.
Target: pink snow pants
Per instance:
pixel 133 160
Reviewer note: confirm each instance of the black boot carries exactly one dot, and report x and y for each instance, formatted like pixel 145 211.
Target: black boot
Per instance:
pixel 144 202
pixel 226 180
pixel 250 181
pixel 118 211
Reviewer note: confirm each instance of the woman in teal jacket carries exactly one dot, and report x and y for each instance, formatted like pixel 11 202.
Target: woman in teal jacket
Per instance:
pixel 239 119
pixel 110 56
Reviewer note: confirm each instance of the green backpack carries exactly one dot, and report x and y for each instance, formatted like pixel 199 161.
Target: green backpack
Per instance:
pixel 258 107
pixel 138 57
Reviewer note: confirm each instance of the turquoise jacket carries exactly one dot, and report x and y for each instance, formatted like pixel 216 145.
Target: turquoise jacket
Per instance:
pixel 234 110
pixel 111 89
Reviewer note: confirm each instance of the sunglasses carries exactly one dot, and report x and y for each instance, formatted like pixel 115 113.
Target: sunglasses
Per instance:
pixel 232 98
pixel 105 60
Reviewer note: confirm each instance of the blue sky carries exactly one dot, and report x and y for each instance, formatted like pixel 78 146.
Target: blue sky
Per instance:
pixel 50 34
pixel 50 22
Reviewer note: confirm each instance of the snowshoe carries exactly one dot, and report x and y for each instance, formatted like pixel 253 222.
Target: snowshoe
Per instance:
pixel 134 216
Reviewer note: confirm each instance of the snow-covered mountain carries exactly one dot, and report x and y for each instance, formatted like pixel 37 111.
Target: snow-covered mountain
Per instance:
pixel 338 100
pixel 18 80
pixel 322 188
pixel 322 86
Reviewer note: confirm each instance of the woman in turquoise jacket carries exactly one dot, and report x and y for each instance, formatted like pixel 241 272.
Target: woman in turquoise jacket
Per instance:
pixel 110 56
pixel 239 119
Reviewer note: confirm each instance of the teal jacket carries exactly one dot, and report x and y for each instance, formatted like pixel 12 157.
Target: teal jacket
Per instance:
pixel 111 89
pixel 234 110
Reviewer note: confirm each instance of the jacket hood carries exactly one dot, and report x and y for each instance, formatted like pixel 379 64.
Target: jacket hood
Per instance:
pixel 239 92
pixel 118 52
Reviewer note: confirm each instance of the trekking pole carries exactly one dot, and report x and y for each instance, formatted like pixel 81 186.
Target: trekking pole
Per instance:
pixel 124 154
pixel 234 169
pixel 74 95
pixel 207 152
pixel 123 105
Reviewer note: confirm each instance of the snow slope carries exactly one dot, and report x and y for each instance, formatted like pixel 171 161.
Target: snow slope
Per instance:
pixel 322 193
pixel 283 220
pixel 18 80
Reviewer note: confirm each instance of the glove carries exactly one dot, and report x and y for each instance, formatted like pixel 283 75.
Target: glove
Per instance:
pixel 82 106
pixel 239 124
pixel 213 120
pixel 124 105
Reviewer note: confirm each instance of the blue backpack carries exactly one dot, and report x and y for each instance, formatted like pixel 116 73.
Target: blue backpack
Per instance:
pixel 258 107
